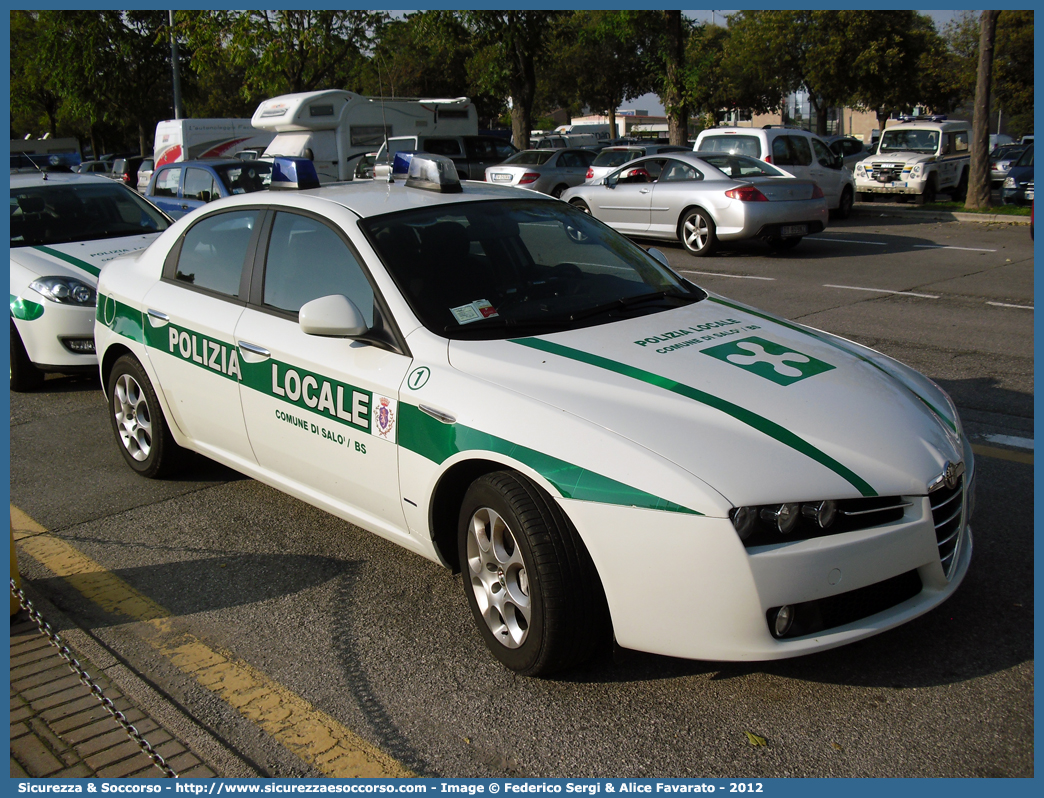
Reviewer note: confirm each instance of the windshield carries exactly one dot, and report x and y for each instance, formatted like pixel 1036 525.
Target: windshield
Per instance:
pixel 740 145
pixel 613 158
pixel 739 166
pixel 530 157
pixel 492 269
pixel 62 212
pixel 926 141
pixel 246 177
pixel 1026 159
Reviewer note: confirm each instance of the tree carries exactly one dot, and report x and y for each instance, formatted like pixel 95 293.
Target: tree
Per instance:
pixel 1013 70
pixel 35 102
pixel 508 46
pixel 979 177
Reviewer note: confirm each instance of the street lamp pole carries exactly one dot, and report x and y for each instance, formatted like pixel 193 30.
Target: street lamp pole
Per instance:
pixel 174 65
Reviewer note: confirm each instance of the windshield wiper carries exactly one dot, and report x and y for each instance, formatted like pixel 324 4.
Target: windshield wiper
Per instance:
pixel 628 302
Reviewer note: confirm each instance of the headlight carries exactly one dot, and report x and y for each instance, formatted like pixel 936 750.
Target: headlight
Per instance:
pixel 1009 183
pixel 860 170
pixel 65 291
pixel 916 171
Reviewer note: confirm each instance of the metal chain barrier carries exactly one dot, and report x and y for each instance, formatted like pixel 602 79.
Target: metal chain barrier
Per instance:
pixel 85 678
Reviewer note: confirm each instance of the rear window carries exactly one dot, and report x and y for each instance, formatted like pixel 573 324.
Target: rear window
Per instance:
pixel 740 145
pixel 530 157
pixel 741 167
pixel 616 157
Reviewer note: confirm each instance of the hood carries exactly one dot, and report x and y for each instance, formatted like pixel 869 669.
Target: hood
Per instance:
pixel 760 409
pixel 903 157
pixel 80 259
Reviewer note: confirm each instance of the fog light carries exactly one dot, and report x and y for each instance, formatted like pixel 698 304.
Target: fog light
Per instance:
pixel 79 346
pixel 743 519
pixel 784 620
pixel 823 513
pixel 785 517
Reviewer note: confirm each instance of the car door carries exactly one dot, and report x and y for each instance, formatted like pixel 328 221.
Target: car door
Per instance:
pixel 191 316
pixel 571 167
pixel 166 189
pixel 624 199
pixel 321 412
pixel 197 189
pixel 826 172
pixel 674 190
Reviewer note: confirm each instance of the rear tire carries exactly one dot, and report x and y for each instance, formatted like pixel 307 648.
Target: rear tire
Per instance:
pixel 557 191
pixel 530 583
pixel 697 232
pixel 24 375
pixel 960 194
pixel 844 207
pixel 137 420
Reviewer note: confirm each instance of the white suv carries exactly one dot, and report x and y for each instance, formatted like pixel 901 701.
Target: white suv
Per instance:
pixel 919 158
pixel 794 150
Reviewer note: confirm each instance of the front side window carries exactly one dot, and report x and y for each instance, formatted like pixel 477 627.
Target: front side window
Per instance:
pixel 245 178
pixel 214 250
pixel 449 147
pixel 307 260
pixel 823 154
pixel 167 182
pixel 499 269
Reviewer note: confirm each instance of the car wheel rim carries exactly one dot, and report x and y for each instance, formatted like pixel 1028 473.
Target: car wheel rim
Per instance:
pixel 696 232
pixel 133 419
pixel 499 580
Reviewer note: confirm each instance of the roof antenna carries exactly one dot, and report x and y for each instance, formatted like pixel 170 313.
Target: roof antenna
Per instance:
pixel 384 119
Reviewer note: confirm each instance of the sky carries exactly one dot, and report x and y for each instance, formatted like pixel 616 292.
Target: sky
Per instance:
pixel 652 104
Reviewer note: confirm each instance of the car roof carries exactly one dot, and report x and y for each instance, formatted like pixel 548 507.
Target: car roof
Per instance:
pixel 28 179
pixel 211 162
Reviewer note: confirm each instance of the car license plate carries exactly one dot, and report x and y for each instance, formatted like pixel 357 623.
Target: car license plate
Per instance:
pixel 790 230
pixel 1029 193
pixel 500 176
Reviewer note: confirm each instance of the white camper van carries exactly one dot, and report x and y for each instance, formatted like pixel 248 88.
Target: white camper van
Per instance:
pixel 334 128
pixel 189 139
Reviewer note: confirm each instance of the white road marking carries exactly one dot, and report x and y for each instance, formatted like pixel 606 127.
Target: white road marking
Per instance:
pixel 882 291
pixel 941 246
pixel 1006 305
pixel 848 241
pixel 716 274
pixel 1011 440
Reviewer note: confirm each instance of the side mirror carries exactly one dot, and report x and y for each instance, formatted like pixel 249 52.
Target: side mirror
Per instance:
pixel 658 256
pixel 334 316
pixel 610 182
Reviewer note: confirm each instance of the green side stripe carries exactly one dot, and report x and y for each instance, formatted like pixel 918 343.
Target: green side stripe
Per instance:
pixel 120 318
pixel 25 309
pixel 437 442
pixel 79 264
pixel 764 425
pixel 946 419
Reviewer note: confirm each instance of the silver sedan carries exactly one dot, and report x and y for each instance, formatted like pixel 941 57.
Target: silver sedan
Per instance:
pixel 702 199
pixel 547 171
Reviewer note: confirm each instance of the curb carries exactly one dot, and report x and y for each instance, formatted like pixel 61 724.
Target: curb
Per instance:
pixel 876 209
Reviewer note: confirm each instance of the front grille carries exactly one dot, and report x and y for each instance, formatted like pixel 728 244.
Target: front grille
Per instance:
pixel 948 517
pixel 820 615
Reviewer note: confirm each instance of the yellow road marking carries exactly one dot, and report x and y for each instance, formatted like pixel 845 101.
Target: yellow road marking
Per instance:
pixel 1003 454
pixel 308 732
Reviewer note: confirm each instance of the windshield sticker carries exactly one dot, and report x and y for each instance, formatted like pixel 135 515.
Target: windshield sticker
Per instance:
pixel 479 309
pixel 769 360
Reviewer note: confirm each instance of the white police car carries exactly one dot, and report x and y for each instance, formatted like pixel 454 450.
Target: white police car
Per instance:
pixel 64 228
pixel 501 383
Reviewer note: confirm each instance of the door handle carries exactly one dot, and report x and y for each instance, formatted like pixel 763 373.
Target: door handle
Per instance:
pixel 644 190
pixel 438 415
pixel 156 318
pixel 252 353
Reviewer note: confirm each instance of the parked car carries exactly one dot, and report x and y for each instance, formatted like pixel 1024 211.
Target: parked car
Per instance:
pixel 181 187
pixel 126 170
pixel 918 157
pixel 64 228
pixel 145 174
pixel 1018 185
pixel 849 149
pixel 547 171
pixel 470 154
pixel 505 386
pixel 95 167
pixel 796 151
pixel 703 198
pixel 1001 161
pixel 615 156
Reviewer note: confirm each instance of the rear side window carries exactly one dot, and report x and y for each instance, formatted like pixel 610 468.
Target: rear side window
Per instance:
pixel 738 145
pixel 213 251
pixel 442 147
pixel 199 185
pixel 307 260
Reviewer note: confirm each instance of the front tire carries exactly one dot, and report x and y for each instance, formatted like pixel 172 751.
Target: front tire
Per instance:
pixel 24 375
pixel 137 420
pixel 844 207
pixel 697 232
pixel 928 195
pixel 531 585
pixel 581 206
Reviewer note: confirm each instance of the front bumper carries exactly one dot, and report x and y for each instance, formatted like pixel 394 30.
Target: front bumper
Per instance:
pixel 904 185
pixel 51 339
pixel 684 586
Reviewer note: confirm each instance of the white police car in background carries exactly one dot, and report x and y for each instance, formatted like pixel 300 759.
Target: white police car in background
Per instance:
pixel 64 228
pixel 500 383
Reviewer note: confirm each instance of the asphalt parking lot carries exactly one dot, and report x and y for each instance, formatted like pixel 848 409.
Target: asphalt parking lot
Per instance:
pixel 382 642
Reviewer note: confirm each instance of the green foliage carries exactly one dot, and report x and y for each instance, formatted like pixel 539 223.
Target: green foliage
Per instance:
pixel 1013 70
